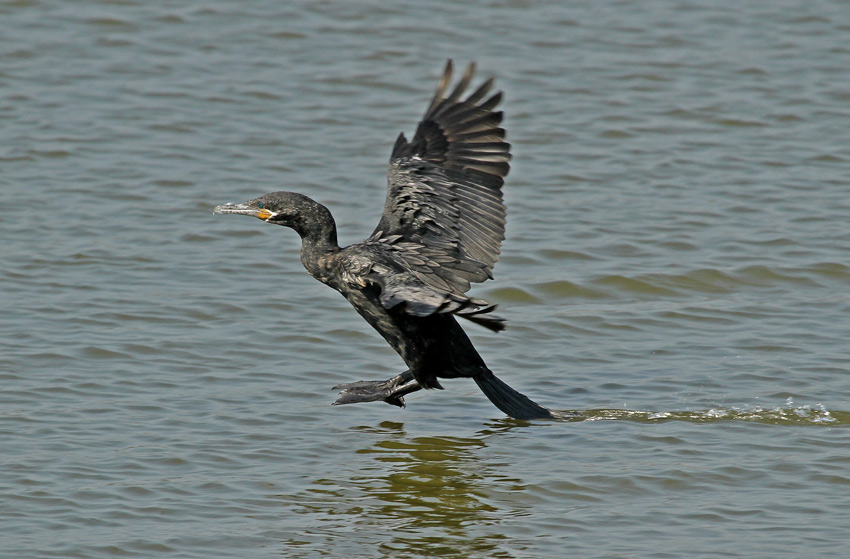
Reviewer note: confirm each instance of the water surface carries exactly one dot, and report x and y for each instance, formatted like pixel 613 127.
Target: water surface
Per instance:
pixel 676 271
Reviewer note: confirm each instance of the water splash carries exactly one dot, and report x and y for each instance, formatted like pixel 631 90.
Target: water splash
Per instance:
pixel 788 415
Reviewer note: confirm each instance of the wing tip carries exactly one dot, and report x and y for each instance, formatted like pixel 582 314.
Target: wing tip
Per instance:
pixel 452 124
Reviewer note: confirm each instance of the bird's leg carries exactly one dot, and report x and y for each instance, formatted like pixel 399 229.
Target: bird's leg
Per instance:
pixel 391 391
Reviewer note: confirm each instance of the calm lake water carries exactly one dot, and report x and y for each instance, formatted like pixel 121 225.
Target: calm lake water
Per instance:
pixel 677 268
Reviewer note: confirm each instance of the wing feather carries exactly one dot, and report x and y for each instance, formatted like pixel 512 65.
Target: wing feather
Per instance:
pixel 444 217
pixel 445 185
pixel 414 297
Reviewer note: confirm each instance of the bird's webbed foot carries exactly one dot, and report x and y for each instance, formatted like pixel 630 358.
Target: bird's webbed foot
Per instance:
pixel 391 391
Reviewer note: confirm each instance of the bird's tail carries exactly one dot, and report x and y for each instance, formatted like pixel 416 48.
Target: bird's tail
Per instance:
pixel 513 403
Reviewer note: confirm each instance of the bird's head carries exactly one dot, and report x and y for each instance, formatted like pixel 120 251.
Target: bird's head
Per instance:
pixel 310 219
pixel 280 208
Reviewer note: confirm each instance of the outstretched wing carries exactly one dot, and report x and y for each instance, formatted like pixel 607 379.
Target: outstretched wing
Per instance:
pixel 445 188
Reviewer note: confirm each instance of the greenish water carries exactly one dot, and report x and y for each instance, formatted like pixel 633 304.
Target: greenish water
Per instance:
pixel 675 278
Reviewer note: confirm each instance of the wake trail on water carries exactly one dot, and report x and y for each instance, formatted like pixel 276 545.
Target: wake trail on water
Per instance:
pixel 789 415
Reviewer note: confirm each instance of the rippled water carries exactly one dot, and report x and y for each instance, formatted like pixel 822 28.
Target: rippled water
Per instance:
pixel 676 270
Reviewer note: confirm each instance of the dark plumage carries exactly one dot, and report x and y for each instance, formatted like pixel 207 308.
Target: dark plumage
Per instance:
pixel 442 226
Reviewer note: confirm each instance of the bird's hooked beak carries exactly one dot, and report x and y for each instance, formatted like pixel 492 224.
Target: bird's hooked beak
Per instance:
pixel 244 209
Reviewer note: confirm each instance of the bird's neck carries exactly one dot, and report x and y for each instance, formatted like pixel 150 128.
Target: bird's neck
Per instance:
pixel 318 243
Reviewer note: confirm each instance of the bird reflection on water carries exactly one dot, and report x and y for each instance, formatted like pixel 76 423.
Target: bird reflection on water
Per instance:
pixel 430 489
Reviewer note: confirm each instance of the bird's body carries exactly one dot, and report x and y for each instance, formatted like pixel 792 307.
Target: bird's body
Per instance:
pixel 442 226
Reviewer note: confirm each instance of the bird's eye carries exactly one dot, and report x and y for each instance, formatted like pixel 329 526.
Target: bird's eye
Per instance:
pixel 260 205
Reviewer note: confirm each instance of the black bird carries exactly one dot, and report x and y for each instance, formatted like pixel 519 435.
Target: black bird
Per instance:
pixel 442 226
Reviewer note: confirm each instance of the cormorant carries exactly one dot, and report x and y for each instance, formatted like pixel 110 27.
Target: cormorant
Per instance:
pixel 442 227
